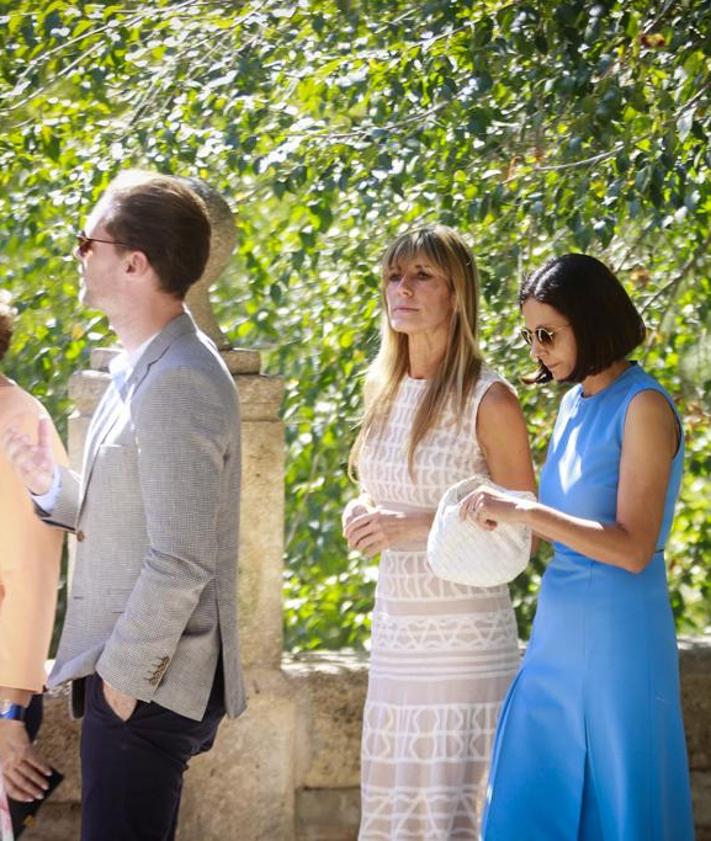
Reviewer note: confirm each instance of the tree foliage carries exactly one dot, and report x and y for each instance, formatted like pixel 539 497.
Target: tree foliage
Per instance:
pixel 331 125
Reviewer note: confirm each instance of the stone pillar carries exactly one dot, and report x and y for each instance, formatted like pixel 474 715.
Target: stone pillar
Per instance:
pixel 245 786
pixel 262 511
pixel 262 506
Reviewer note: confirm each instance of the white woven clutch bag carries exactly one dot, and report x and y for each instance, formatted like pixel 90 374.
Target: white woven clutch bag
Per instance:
pixel 460 551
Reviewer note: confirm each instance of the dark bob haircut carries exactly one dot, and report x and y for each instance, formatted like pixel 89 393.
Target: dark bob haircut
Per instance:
pixel 604 320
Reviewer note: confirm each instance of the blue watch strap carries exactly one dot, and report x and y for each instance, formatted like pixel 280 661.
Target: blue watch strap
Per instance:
pixel 12 712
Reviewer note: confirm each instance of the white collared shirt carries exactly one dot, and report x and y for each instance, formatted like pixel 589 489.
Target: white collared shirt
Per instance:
pixel 124 364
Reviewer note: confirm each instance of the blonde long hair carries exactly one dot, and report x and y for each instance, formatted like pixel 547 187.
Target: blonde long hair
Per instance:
pixel 458 372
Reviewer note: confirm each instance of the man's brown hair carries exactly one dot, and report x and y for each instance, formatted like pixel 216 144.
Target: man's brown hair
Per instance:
pixel 166 221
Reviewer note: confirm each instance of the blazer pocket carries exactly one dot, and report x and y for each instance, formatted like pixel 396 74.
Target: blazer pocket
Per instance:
pixel 115 451
pixel 116 468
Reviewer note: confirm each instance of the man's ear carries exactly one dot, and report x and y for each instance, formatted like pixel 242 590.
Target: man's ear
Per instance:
pixel 137 263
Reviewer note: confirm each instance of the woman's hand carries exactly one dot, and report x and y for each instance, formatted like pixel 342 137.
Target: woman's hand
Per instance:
pixel 25 772
pixel 487 508
pixel 377 529
pixel 33 461
pixel 355 508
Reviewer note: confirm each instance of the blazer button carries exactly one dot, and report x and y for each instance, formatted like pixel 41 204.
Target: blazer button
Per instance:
pixel 80 536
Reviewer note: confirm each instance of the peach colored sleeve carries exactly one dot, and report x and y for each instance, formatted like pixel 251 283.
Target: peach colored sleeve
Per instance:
pixel 30 554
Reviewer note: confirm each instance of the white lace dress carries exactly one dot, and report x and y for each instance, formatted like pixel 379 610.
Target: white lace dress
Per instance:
pixel 442 654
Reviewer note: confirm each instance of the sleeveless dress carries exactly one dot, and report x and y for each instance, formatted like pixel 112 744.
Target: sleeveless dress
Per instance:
pixel 442 654
pixel 590 743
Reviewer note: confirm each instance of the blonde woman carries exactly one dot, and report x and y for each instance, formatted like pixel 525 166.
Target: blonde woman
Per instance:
pixel 442 654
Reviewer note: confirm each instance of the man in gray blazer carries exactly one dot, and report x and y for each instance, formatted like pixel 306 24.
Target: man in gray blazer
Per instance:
pixel 150 634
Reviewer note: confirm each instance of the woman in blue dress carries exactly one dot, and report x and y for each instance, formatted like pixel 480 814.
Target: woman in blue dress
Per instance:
pixel 590 741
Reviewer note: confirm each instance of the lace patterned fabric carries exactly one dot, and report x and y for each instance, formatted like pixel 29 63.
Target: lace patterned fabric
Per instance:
pixel 442 654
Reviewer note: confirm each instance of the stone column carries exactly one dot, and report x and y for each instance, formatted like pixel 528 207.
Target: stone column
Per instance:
pixel 262 511
pixel 244 787
pixel 262 505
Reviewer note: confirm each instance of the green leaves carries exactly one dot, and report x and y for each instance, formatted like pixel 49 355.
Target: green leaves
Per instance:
pixel 330 127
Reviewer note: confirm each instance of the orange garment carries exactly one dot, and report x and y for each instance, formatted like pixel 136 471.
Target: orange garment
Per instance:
pixel 30 553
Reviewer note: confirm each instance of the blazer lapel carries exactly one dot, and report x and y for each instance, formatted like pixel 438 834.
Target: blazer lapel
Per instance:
pixel 107 413
pixel 114 401
pixel 177 327
pixel 102 417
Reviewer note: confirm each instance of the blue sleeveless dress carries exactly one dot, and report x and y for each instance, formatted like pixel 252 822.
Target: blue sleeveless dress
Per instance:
pixel 590 741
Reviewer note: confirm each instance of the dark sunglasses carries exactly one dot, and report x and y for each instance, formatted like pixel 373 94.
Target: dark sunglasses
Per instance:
pixel 543 335
pixel 84 243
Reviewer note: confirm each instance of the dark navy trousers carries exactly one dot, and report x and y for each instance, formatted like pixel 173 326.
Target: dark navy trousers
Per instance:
pixel 132 771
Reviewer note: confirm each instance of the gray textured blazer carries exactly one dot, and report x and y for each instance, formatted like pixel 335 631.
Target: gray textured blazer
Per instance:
pixel 156 512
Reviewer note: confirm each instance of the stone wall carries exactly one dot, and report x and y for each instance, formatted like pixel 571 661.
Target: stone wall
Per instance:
pixel 287 770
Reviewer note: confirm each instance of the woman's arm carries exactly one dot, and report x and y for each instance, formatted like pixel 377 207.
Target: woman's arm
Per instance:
pixel 380 528
pixel 503 438
pixel 650 440
pixel 502 435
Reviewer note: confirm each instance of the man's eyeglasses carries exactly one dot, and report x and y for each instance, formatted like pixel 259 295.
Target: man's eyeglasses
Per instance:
pixel 542 335
pixel 84 243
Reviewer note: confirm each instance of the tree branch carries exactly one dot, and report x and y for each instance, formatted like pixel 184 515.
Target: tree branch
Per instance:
pixel 673 285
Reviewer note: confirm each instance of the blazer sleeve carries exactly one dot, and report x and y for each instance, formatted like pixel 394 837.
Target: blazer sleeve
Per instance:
pixel 66 509
pixel 183 443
